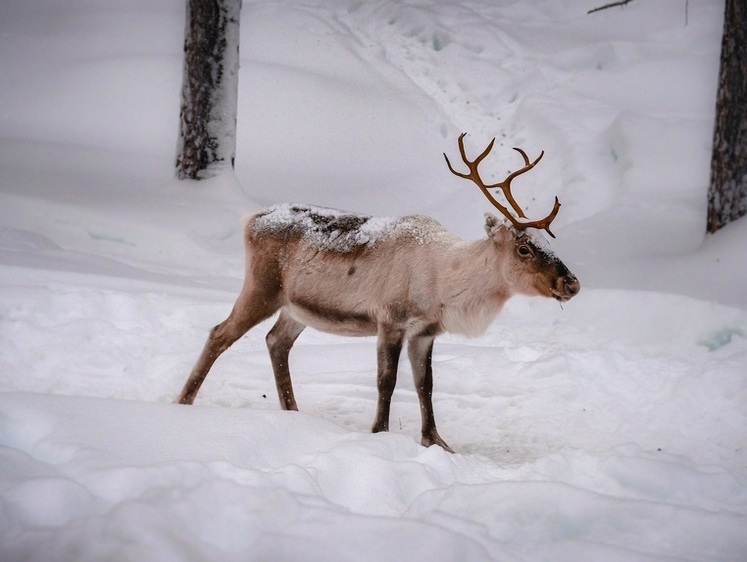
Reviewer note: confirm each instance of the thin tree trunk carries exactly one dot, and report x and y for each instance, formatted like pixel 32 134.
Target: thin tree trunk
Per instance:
pixel 207 131
pixel 727 194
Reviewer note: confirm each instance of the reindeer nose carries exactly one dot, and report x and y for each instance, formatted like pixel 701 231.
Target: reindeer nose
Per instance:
pixel 572 286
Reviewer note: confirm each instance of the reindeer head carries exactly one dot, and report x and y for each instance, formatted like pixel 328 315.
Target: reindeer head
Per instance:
pixel 529 266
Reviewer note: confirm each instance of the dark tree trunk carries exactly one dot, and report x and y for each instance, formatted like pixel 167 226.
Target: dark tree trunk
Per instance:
pixel 207 131
pixel 727 194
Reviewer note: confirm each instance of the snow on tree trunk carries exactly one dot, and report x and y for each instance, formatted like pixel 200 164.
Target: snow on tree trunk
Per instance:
pixel 207 131
pixel 727 194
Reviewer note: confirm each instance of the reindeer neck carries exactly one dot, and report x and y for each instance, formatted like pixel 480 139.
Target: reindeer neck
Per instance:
pixel 473 289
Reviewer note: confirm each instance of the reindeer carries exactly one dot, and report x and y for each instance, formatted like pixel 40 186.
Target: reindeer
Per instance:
pixel 399 279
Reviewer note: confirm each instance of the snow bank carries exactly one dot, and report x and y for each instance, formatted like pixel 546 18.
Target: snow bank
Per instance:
pixel 155 482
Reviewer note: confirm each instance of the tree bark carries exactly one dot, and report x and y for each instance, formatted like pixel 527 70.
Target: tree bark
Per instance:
pixel 207 131
pixel 727 193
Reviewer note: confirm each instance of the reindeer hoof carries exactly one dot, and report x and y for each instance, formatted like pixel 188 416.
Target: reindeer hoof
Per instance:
pixel 435 440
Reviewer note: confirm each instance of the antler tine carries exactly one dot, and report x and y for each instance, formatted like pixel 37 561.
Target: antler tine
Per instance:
pixel 505 186
pixel 477 160
pixel 472 166
pixel 474 176
pixel 544 224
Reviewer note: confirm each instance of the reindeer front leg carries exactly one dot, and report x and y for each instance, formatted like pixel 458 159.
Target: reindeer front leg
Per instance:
pixel 420 349
pixel 388 348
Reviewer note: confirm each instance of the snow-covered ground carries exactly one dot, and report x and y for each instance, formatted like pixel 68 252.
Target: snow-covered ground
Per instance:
pixel 611 429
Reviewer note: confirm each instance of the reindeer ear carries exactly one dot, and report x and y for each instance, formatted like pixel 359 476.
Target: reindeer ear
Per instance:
pixel 491 224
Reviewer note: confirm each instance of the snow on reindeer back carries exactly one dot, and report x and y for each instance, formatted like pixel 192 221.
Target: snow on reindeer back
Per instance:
pixel 324 228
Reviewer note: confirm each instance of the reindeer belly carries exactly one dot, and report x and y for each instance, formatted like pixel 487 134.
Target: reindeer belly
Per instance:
pixel 341 293
pixel 332 318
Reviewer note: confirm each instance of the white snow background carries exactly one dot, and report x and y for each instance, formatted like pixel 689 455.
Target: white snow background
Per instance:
pixel 612 429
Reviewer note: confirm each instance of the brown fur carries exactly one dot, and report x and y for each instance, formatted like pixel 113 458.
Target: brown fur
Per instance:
pixel 410 280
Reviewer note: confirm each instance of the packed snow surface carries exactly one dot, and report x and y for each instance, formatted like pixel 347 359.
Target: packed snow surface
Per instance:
pixel 613 428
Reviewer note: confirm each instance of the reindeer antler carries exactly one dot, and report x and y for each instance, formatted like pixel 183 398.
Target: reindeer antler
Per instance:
pixel 505 186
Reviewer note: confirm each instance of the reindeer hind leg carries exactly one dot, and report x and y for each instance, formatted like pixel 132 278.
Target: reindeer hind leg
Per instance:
pixel 250 309
pixel 279 340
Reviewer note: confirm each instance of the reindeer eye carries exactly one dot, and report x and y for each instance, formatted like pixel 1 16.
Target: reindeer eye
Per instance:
pixel 524 251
